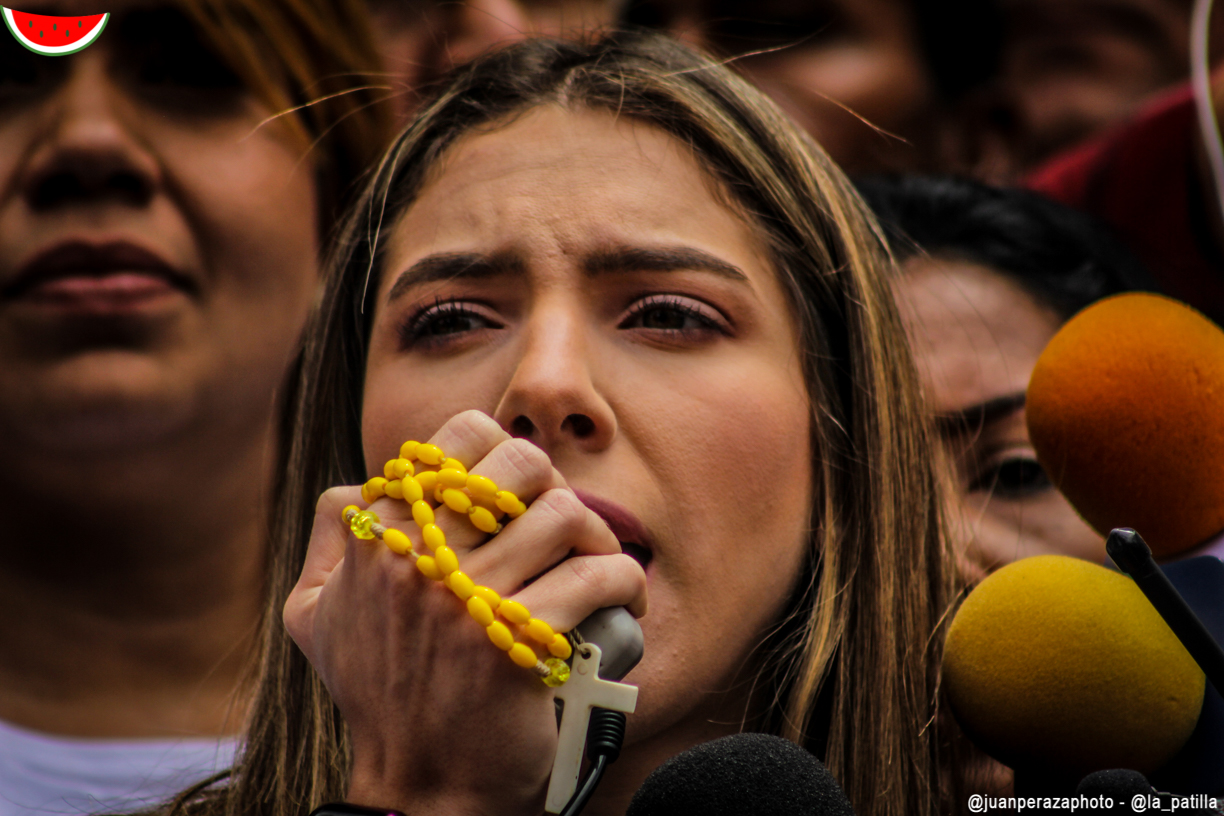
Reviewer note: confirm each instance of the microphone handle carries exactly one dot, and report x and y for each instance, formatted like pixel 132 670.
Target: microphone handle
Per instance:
pixel 1132 555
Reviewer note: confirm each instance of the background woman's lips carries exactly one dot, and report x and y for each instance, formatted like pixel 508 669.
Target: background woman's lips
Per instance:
pixel 635 539
pixel 109 277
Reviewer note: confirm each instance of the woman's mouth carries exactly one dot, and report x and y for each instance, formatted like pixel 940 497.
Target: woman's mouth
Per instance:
pixel 634 538
pixel 103 279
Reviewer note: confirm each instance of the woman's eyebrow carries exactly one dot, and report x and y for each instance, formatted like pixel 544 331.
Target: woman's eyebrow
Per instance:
pixel 451 265
pixel 972 418
pixel 659 259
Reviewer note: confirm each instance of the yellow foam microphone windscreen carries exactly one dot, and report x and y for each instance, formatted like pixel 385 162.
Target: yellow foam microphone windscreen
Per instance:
pixel 1055 662
pixel 1125 409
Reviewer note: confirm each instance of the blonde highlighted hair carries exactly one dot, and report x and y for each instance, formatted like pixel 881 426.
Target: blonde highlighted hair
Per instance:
pixel 851 670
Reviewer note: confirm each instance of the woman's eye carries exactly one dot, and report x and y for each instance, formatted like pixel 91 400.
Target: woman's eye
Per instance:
pixel 670 314
pixel 442 322
pixel 1014 478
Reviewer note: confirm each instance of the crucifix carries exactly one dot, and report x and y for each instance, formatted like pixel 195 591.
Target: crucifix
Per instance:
pixel 584 690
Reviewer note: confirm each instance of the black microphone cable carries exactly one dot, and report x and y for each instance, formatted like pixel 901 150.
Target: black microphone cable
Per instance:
pixel 605 735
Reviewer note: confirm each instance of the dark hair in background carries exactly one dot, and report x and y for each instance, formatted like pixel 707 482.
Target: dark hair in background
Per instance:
pixel 1061 257
pixel 957 63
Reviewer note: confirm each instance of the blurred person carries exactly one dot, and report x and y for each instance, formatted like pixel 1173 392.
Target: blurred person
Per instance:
pixel 1072 68
pixel 988 276
pixel 159 225
pixel 881 84
pixel 420 40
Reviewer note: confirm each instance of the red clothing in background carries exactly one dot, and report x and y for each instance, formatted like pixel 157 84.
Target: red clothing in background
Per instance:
pixel 1142 180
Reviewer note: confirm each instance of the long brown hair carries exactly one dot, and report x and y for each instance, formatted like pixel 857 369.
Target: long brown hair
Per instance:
pixel 852 667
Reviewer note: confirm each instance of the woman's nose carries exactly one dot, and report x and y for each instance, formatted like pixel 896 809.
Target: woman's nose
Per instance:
pixel 552 398
pixel 88 150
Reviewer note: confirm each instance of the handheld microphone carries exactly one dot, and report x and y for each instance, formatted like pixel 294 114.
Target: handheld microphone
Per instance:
pixel 1058 666
pixel 741 775
pixel 1124 411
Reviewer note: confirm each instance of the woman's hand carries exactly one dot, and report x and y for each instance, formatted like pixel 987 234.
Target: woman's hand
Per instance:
pixel 440 719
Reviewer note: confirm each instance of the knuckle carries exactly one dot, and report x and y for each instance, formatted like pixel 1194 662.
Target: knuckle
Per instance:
pixel 525 459
pixel 475 428
pixel 566 512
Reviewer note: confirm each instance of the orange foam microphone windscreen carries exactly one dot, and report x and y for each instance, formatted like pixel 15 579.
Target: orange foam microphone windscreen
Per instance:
pixel 1055 662
pixel 1125 409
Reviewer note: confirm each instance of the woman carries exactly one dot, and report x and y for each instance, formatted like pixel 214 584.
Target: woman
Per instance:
pixel 617 281
pixel 988 276
pixel 159 223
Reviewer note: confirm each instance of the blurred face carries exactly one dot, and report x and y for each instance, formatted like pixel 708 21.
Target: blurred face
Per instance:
pixel 157 248
pixel 573 276
pixel 421 39
pixel 840 68
pixel 977 336
pixel 1074 67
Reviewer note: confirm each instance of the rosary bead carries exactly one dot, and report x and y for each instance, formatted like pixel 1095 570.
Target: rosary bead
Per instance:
pixel 558 672
pixel 403 468
pixel 344 514
pixel 560 647
pixel 540 632
pixel 389 469
pixel 481 486
pixel 500 635
pixel 430 454
pixel 487 595
pixel 506 501
pixel 523 655
pixel 394 489
pixel 456 500
pixel 483 520
pixel 446 559
pixel 438 493
pixel 428 568
pixel 422 513
pixel 397 541
pixel 411 490
pixel 480 610
pixel 454 464
pixel 433 536
pixel 427 479
pixel 361 523
pixel 452 478
pixel 460 584
pixel 408 449
pixel 374 490
pixel 513 611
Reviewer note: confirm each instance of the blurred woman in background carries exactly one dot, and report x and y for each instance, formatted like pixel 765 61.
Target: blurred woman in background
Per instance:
pixel 988 276
pixel 159 225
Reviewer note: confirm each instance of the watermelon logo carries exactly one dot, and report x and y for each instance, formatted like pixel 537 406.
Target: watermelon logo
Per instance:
pixel 54 36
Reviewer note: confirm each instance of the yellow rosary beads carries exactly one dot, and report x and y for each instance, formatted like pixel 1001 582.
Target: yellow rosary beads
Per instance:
pixel 478 498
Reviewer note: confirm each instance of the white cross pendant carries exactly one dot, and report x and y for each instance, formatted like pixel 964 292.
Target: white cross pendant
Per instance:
pixel 584 690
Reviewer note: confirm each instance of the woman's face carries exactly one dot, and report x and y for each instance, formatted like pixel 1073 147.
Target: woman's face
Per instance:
pixel 574 276
pixel 157 246
pixel 840 68
pixel 977 336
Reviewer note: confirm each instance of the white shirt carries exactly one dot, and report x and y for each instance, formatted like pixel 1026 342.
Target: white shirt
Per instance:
pixel 43 774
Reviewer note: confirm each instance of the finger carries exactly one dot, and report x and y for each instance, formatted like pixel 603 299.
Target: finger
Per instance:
pixel 469 437
pixel 326 551
pixel 556 525
pixel 567 594
pixel 515 465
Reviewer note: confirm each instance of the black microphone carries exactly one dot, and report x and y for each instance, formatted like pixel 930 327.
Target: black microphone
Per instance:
pixel 741 775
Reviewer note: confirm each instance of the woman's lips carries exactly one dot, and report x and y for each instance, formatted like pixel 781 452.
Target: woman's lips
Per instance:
pixel 109 278
pixel 634 538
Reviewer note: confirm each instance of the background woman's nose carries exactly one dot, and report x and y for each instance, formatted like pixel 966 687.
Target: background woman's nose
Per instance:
pixel 475 26
pixel 87 150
